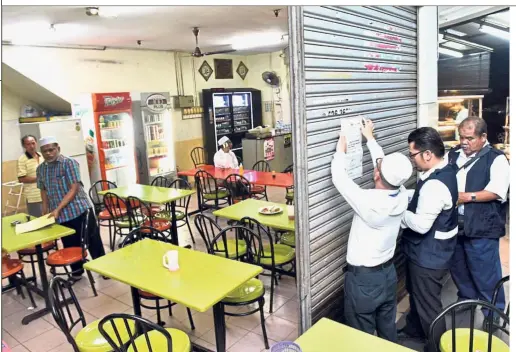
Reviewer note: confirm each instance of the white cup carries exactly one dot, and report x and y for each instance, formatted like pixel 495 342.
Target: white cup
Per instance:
pixel 171 260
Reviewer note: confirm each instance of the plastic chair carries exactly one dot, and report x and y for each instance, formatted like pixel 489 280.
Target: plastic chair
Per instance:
pixel 182 205
pixel 290 190
pixel 149 337
pixel 468 339
pixel 13 268
pixel 156 235
pixel 259 191
pixel 210 191
pixel 209 229
pixel 198 156
pixel 65 257
pixel 29 256
pixel 272 256
pixel 89 337
pixel 251 291
pixel 104 218
pixel 11 185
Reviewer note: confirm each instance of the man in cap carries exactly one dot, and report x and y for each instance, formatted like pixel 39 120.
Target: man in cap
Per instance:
pixel 430 236
pixel 371 281
pixel 224 158
pixel 27 165
pixel 63 196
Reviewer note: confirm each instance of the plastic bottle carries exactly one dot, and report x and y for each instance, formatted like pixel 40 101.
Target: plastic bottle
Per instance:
pixel 241 169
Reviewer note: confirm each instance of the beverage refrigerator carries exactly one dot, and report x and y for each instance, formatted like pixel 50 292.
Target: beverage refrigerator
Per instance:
pixel 153 136
pixel 231 113
pixel 108 127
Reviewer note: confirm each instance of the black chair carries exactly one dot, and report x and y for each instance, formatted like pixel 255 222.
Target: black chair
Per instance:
pixel 496 324
pixel 148 337
pixel 182 205
pixel 273 257
pixel 289 190
pixel 198 156
pixel 212 196
pixel 239 188
pixel 225 247
pixel 461 339
pixel 63 258
pixel 253 290
pixel 207 227
pixel 259 191
pixel 160 181
pixel 104 218
pixel 149 232
pixel 62 300
pixel 118 210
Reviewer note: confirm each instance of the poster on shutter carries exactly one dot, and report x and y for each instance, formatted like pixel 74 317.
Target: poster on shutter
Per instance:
pixel 350 128
pixel 268 149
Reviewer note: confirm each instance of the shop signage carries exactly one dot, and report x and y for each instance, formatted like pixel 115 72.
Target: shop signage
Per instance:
pixel 390 37
pixel 156 103
pixel 380 68
pixel 383 46
pixel 268 149
pixel 336 112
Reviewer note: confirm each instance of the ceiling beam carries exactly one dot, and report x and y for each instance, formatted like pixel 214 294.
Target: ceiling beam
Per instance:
pixel 467 14
pixel 466 42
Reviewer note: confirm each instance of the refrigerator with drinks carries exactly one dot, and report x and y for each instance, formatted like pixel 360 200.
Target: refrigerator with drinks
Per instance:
pixel 108 126
pixel 70 136
pixel 153 136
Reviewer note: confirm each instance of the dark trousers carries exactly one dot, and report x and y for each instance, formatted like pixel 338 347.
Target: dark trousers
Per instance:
pixel 424 287
pixel 370 302
pixel 95 246
pixel 476 268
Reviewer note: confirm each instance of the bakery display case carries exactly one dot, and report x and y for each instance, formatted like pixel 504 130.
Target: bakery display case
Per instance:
pixel 452 111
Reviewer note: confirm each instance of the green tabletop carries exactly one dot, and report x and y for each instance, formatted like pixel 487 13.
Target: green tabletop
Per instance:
pixel 327 335
pixel 12 242
pixel 249 207
pixel 201 281
pixel 150 194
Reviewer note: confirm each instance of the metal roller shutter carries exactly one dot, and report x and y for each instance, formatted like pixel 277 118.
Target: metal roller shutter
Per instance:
pixel 357 60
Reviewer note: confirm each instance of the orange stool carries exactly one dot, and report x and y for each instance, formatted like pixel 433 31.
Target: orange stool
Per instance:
pixel 10 269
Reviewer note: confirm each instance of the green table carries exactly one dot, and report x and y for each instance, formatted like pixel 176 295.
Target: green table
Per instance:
pixel 12 242
pixel 157 195
pixel 249 207
pixel 327 335
pixel 201 282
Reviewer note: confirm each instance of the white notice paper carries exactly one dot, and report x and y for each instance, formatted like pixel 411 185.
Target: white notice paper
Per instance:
pixel 350 127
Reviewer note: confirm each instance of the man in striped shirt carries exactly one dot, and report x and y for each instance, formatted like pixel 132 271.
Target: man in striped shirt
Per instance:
pixel 63 196
pixel 27 165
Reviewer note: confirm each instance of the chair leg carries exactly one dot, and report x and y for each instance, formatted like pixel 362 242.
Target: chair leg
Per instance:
pixel 266 198
pixel 169 308
pixel 273 274
pixel 262 318
pixel 159 313
pixel 16 282
pixel 33 266
pixel 92 283
pixel 24 281
pixel 190 229
pixel 192 326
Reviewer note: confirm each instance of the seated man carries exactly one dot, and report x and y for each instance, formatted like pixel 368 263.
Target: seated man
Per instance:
pixel 224 158
pixel 371 281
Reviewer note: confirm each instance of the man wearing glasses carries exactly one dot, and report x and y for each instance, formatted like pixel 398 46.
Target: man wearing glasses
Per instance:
pixel 63 196
pixel 431 228
pixel 371 282
pixel 483 179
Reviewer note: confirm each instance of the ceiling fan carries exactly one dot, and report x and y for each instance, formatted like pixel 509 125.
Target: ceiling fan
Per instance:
pixel 197 52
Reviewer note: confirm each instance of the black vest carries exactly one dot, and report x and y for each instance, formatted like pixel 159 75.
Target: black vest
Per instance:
pixel 434 249
pixel 483 219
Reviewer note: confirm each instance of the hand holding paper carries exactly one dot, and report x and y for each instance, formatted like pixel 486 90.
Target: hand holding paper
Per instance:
pixel 367 128
pixel 342 144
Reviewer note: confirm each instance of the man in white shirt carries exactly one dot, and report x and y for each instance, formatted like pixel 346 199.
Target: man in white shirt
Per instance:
pixel 461 116
pixel 371 281
pixel 224 158
pixel 483 180
pixel 431 228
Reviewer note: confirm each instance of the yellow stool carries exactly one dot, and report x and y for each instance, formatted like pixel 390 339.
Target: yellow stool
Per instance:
pixel 89 338
pixel 480 341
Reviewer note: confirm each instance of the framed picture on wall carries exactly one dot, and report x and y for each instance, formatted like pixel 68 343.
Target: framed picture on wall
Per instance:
pixel 205 70
pixel 242 70
pixel 223 68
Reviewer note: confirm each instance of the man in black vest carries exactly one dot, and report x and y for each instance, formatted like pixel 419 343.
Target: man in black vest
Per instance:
pixel 483 180
pixel 431 228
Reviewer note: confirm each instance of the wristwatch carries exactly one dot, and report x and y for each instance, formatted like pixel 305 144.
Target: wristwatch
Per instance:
pixel 473 197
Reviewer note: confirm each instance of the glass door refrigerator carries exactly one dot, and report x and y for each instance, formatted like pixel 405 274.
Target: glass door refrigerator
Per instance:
pixel 108 122
pixel 153 136
pixel 231 113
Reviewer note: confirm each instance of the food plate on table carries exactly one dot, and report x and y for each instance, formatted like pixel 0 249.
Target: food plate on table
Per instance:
pixel 270 210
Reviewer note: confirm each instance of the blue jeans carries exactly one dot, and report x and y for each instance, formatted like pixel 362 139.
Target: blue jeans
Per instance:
pixel 370 302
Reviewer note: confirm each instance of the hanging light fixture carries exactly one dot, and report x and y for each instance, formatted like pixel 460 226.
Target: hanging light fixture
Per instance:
pixel 450 52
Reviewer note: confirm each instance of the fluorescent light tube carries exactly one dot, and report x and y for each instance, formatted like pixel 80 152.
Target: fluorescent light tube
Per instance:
pixel 495 31
pixel 450 52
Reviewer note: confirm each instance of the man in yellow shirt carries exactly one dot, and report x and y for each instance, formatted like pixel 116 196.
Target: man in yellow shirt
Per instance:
pixel 27 165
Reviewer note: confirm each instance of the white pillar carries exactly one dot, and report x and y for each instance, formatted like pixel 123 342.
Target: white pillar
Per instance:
pixel 427 56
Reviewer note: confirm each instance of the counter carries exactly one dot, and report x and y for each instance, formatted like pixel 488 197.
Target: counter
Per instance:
pixel 253 151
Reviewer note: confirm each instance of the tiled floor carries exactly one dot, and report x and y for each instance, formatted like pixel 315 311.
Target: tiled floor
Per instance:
pixel 243 333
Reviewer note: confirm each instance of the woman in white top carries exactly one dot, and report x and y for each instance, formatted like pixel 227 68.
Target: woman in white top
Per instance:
pixel 225 158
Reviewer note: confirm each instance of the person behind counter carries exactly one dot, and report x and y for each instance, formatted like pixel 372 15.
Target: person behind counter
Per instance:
pixel 370 282
pixel 27 165
pixel 224 158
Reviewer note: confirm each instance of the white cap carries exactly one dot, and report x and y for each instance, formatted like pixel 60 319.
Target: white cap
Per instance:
pixel 47 140
pixel 223 140
pixel 396 169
